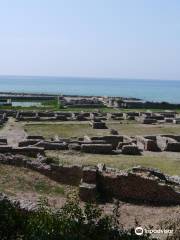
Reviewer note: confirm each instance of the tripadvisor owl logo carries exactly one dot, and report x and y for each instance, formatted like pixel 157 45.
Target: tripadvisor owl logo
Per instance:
pixel 139 231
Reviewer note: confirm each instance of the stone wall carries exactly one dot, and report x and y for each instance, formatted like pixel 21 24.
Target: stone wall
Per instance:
pixel 67 174
pixel 168 143
pixel 98 124
pixel 144 143
pixel 137 185
pixel 133 187
pixel 110 139
pixel 141 117
pixel 24 206
pixel 97 148
pixel 147 143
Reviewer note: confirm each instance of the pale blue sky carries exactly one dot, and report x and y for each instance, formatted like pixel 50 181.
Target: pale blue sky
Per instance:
pixel 101 38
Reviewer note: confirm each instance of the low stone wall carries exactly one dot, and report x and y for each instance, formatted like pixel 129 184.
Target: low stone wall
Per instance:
pixel 61 117
pixel 74 146
pixel 147 143
pixel 142 117
pixel 145 120
pixel 110 139
pixel 24 206
pixel 28 142
pixel 31 151
pixel 130 150
pixel 137 185
pixel 28 119
pixel 168 144
pixel 5 149
pixel 176 121
pixel 97 148
pixel 134 187
pixel 140 185
pixel 156 116
pixel 173 147
pixel 35 137
pixel 3 141
pixel 115 116
pixel 67 174
pixel 98 125
pixel 47 145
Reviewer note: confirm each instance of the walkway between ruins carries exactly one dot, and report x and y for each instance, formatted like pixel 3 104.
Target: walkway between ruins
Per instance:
pixel 13 131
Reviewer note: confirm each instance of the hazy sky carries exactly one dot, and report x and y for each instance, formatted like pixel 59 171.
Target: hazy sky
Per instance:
pixel 102 38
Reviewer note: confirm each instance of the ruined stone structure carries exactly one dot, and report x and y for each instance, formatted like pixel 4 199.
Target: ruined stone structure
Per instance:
pixel 169 143
pixel 97 119
pixel 23 205
pixel 121 102
pixel 108 144
pixel 147 143
pixel 141 185
pixel 98 124
pixel 3 118
pixel 97 148
pixel 158 117
pixel 70 101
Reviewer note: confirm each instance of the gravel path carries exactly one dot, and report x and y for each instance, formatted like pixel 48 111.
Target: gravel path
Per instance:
pixel 13 131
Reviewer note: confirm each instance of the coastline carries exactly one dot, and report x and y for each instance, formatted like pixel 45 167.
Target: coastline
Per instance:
pixel 65 101
pixel 147 90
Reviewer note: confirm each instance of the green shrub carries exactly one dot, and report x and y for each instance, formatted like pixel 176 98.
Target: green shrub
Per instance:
pixel 71 222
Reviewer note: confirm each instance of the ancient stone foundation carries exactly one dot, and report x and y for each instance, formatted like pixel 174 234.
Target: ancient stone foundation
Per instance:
pixel 141 185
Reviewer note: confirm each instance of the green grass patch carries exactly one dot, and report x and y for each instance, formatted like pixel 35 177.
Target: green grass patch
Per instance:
pixel 79 129
pixel 85 109
pixel 43 187
pixel 167 162
pixel 46 105
pixel 14 180
pixel 63 130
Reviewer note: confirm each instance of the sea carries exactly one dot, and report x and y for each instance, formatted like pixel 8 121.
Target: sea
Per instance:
pixel 150 90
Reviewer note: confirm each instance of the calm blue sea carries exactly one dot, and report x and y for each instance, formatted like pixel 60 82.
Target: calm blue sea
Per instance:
pixel 154 90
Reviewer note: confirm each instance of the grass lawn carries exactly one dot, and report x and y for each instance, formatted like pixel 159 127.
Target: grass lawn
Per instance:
pixel 63 130
pixel 145 129
pixel 14 180
pixel 79 129
pixel 46 105
pixel 167 162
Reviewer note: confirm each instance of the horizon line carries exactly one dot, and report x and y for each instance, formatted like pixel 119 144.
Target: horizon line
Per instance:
pixel 87 77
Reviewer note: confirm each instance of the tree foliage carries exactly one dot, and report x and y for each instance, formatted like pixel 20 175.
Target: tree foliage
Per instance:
pixel 71 222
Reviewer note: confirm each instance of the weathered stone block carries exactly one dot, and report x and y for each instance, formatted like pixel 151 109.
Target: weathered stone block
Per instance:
pixel 52 145
pixel 97 148
pixel 87 192
pixel 130 149
pixel 74 146
pixel 35 137
pixel 89 175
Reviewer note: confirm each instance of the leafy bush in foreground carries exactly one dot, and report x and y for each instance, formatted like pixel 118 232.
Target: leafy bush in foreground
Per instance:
pixel 71 222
